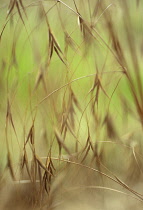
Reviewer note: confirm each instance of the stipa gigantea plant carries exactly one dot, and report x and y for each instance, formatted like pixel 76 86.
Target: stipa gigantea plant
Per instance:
pixel 63 117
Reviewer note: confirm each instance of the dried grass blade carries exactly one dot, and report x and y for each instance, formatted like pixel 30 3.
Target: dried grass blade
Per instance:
pixel 57 52
pixel 137 162
pixel 21 3
pixel 116 180
pixel 10 166
pixel 94 84
pixel 106 188
pixel 96 9
pixel 61 141
pixel 30 136
pixel 56 44
pixel 3 30
pixel 19 12
pixel 111 131
pixel 25 162
pixel 128 188
pixel 70 42
pixel 42 165
pixel 11 7
pixel 87 151
pixel 51 49
pixel 40 174
pixel 103 88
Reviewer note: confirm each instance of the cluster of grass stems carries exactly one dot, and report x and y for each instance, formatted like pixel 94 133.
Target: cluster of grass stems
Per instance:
pixel 71 104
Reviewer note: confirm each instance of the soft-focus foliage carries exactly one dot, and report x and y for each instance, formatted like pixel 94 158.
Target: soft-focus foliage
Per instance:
pixel 71 111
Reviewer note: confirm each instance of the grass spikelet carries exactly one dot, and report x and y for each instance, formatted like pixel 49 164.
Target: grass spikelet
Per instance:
pixel 71 111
